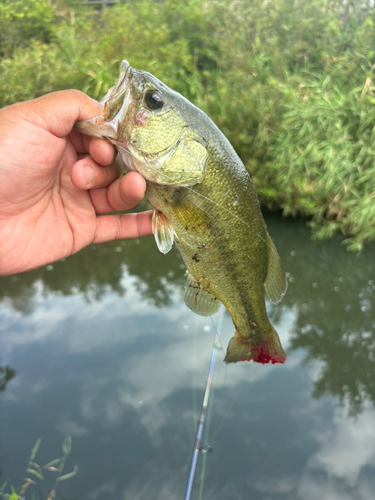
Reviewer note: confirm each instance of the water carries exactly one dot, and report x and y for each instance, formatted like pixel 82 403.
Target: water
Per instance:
pixel 105 350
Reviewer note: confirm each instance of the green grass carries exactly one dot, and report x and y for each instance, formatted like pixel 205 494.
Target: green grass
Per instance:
pixel 289 82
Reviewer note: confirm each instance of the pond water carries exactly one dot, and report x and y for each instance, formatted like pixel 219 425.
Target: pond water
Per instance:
pixel 104 349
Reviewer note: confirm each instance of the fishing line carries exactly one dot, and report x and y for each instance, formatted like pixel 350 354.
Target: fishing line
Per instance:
pixel 225 414
pixel 206 449
pixel 203 475
pixel 219 338
pixel 220 348
pixel 228 407
pixel 194 375
pixel 202 418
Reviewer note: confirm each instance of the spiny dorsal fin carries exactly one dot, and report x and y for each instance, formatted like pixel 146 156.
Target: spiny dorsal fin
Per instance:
pixel 276 282
pixel 198 300
pixel 163 231
pixel 191 217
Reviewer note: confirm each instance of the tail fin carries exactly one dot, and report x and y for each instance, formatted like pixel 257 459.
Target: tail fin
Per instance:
pixel 263 349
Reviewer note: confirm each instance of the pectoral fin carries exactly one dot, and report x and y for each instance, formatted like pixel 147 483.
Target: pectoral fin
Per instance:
pixel 198 300
pixel 163 231
pixel 276 282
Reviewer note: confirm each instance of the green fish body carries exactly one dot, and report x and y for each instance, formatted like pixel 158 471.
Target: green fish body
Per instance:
pixel 204 201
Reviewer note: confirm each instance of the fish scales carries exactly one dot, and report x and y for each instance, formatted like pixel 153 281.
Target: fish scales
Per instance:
pixel 234 281
pixel 204 201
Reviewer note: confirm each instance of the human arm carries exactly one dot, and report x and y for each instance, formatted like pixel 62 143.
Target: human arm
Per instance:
pixel 55 184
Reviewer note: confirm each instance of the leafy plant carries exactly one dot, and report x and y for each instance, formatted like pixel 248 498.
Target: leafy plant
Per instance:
pixel 289 82
pixel 22 21
pixel 34 472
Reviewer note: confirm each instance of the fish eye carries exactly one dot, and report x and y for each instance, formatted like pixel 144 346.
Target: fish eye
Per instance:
pixel 153 100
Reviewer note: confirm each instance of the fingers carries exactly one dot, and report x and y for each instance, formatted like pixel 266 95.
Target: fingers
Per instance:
pixel 57 112
pixel 127 191
pixel 88 174
pixel 101 151
pixel 122 194
pixel 117 227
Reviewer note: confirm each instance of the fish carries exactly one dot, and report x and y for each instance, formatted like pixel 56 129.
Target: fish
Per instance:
pixel 203 201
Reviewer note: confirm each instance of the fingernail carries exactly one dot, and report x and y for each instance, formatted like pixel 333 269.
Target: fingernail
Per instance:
pixel 89 174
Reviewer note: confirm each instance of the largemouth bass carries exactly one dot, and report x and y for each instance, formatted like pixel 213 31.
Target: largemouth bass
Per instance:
pixel 204 201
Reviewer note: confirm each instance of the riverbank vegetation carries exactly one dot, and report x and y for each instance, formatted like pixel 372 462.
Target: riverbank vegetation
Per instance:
pixel 290 82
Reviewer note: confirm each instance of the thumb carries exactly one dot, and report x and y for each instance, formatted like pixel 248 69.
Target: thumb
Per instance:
pixel 57 112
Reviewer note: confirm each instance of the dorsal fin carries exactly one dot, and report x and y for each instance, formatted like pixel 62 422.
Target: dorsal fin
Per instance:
pixel 276 282
pixel 163 231
pixel 198 300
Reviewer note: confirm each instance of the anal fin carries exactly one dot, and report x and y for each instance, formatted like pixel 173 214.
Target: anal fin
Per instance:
pixel 198 300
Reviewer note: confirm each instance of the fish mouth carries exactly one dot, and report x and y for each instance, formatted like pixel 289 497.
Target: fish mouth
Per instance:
pixel 109 125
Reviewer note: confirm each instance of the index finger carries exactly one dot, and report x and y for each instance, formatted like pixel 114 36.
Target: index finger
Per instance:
pixel 57 112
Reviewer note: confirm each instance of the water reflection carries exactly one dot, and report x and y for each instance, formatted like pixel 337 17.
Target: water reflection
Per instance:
pixel 6 374
pixel 106 351
pixel 332 293
pixel 96 270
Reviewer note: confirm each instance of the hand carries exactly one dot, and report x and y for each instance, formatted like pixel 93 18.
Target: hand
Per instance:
pixel 55 183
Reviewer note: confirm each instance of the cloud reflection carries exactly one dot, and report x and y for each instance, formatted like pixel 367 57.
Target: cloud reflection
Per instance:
pixel 102 360
pixel 348 448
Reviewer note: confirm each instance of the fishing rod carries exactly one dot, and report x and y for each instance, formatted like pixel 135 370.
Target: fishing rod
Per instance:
pixel 202 418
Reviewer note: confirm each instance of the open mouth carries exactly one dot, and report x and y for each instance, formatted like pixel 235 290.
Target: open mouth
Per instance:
pixel 110 125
